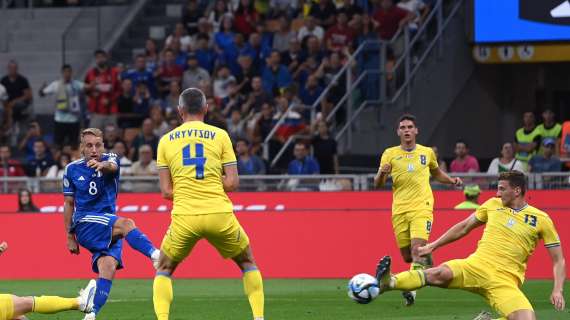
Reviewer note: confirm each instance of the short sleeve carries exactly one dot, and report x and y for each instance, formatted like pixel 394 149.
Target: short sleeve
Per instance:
pixel 228 154
pixel 432 160
pixel 385 159
pixel 161 161
pixel 68 186
pixel 113 158
pixel 481 213
pixel 548 233
pixel 51 88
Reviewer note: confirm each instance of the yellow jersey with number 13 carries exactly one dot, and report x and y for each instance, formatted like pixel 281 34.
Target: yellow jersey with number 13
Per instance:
pixel 195 154
pixel 410 176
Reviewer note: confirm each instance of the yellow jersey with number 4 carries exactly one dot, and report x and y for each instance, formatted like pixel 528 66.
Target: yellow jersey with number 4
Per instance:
pixel 410 175
pixel 195 154
pixel 510 236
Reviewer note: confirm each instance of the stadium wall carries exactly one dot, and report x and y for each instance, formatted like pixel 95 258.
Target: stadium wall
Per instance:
pixel 294 235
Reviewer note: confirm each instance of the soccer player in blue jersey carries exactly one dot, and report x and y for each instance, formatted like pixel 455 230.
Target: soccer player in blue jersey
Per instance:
pixel 90 187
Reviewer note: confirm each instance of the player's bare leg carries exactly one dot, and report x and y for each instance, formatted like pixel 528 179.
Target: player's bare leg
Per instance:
pixel 126 228
pixel 252 282
pixel 162 286
pixel 522 315
pixel 411 255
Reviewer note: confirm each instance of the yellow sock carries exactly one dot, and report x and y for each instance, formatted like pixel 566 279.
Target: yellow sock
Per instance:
pixel 253 287
pixel 409 280
pixel 162 296
pixel 417 266
pixel 52 304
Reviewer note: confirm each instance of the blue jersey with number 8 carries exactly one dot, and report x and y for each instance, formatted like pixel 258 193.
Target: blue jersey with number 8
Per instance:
pixel 95 193
pixel 195 154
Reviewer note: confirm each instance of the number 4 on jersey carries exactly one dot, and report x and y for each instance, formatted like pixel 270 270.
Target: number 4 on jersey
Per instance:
pixel 198 161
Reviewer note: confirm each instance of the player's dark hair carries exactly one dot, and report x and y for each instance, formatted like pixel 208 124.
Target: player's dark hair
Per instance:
pixel 515 178
pixel 192 100
pixel 407 116
pixel 462 141
pixel 66 67
pixel 100 51
pixel 244 140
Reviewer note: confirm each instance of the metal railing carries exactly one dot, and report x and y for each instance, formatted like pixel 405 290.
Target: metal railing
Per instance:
pixel 270 183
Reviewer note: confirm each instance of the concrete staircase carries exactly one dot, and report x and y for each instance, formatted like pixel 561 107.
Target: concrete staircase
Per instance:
pixel 157 17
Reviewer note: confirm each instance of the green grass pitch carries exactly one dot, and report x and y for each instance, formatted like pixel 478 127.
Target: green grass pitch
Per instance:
pixel 285 299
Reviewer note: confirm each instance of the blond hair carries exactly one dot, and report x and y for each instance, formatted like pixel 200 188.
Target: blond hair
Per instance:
pixel 91 131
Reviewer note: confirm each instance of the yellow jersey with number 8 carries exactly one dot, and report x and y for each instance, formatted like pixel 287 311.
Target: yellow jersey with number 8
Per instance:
pixel 195 154
pixel 410 176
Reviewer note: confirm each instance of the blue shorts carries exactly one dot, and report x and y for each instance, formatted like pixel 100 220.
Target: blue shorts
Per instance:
pixel 95 233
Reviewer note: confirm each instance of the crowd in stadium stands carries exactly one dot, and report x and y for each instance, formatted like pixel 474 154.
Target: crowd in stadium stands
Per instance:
pixel 255 67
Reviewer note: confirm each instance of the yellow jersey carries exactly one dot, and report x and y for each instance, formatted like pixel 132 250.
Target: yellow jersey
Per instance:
pixel 410 177
pixel 195 153
pixel 510 235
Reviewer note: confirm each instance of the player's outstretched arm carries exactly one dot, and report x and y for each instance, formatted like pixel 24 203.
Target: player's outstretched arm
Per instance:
pixel 456 232
pixel 230 179
pixel 105 167
pixel 165 183
pixel 68 205
pixel 443 177
pixel 559 271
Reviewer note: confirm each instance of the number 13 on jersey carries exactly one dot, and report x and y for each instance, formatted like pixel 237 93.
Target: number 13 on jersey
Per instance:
pixel 198 160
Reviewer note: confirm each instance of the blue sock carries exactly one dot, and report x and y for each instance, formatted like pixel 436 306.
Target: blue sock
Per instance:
pixel 139 241
pixel 101 293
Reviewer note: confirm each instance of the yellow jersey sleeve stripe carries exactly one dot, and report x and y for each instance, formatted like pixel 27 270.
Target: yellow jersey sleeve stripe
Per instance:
pixel 229 163
pixel 551 245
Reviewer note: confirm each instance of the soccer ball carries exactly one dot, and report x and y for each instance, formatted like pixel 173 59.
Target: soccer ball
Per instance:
pixel 363 288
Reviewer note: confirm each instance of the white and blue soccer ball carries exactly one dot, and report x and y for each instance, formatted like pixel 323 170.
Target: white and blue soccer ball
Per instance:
pixel 363 288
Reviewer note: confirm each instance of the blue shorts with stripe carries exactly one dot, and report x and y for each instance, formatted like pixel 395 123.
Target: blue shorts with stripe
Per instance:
pixel 95 233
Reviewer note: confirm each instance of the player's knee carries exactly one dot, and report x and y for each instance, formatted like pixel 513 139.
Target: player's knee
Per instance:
pixel 107 266
pixel 439 276
pixel 23 305
pixel 125 225
pixel 522 315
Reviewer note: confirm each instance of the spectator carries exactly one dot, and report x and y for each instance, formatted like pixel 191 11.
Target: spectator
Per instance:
pixel 550 129
pixel 311 28
pixel 440 162
pixel 19 96
pixel 419 10
pixel 33 134
pixel 303 163
pixel 236 126
pixel 141 102
pixel 547 162
pixel 389 19
pixel 141 74
pixel 311 91
pixel 144 167
pixel 9 167
pixel 151 55
pixel 170 103
pixel 225 38
pixel 214 116
pixel 339 37
pixel 293 121
pixel 471 202
pixel 351 9
pixel 121 150
pixel 180 56
pixel 293 56
pixel 69 107
pixel 222 82
pixel 147 137
pixel 102 88
pixel 57 170
pixel 282 38
pixel 276 76
pixel 324 11
pixel 168 71
pixel 215 16
pixel 257 97
pixel 38 165
pixel 127 117
pixel 204 30
pixel 246 17
pixel 247 71
pixel 506 162
pixel 194 74
pixel 111 135
pixel 190 16
pixel 264 124
pixel 160 127
pixel 287 9
pixel 325 150
pixel 206 56
pixel 181 35
pixel 248 163
pixel 463 162
pixel 173 123
pixel 527 139
pixel 25 203
pixel 256 51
